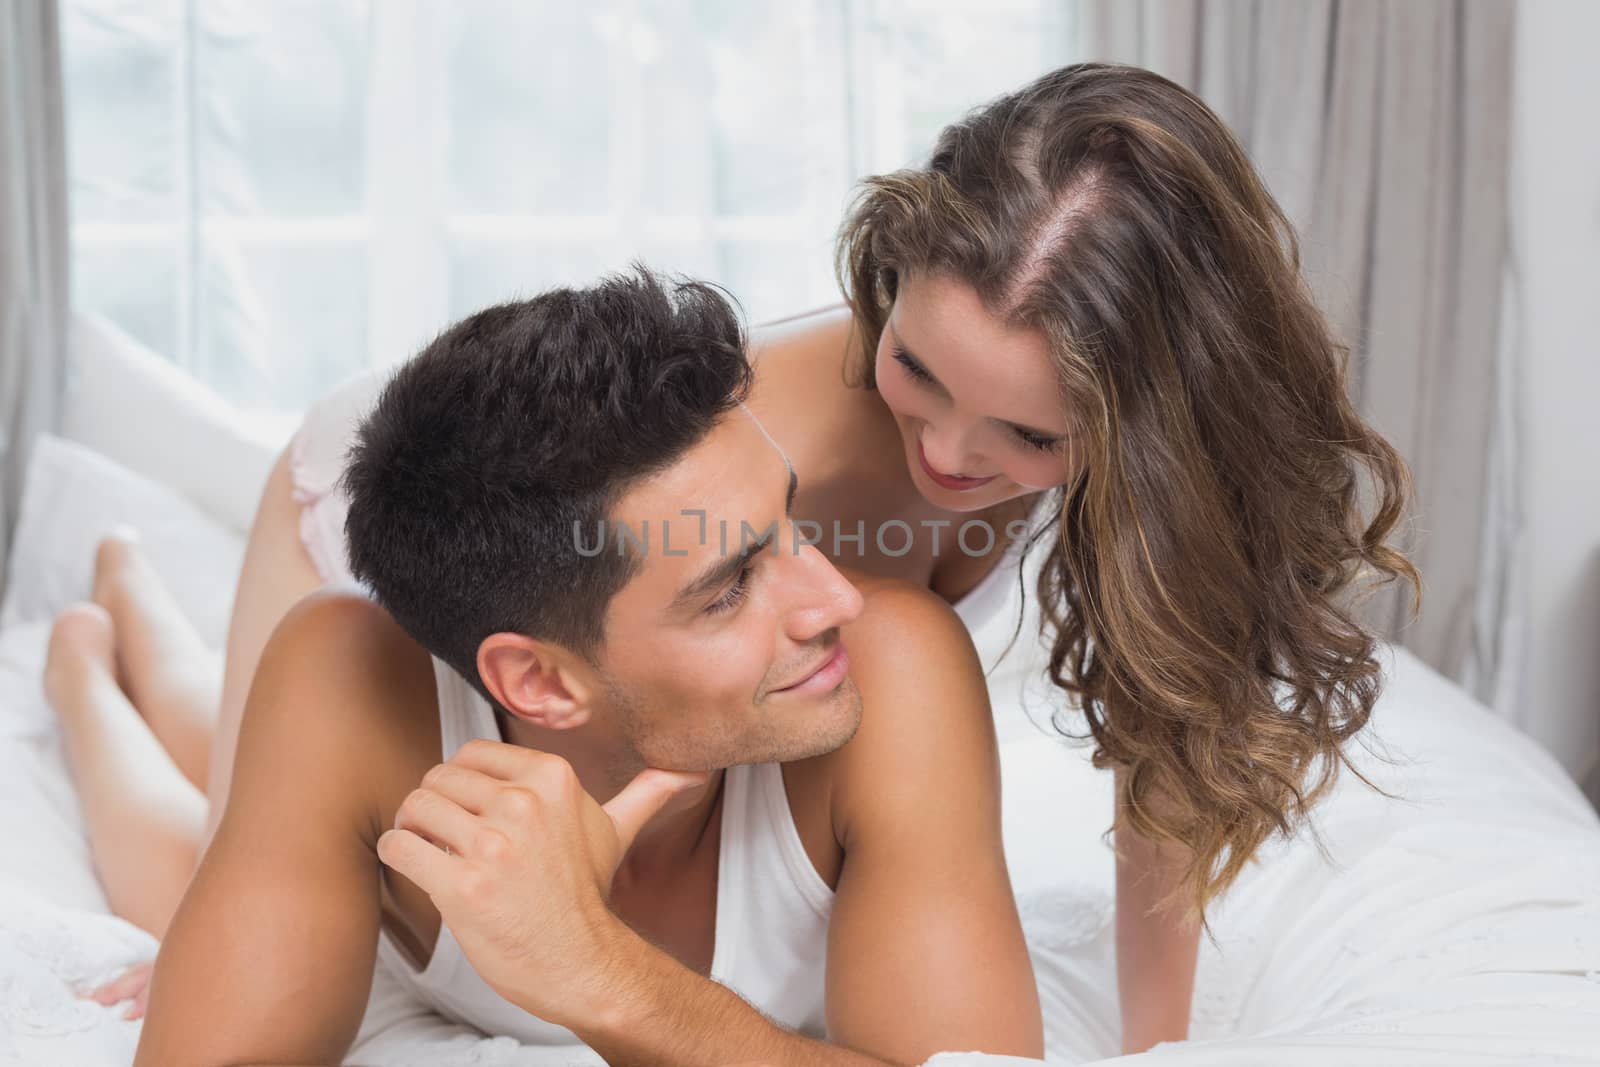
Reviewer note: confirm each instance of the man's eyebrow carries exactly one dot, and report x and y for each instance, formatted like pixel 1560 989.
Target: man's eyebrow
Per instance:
pixel 725 569
pixel 901 345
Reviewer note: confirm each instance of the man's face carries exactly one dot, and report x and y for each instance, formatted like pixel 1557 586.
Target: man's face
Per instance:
pixel 712 656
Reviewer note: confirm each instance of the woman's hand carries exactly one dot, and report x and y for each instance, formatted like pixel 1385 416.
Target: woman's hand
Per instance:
pixel 133 984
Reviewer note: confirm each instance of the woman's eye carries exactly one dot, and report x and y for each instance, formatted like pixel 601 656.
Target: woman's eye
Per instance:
pixel 913 368
pixel 735 594
pixel 1034 441
pixel 920 373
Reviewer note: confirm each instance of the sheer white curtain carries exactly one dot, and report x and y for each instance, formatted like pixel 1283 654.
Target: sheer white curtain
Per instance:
pixel 275 195
pixel 33 244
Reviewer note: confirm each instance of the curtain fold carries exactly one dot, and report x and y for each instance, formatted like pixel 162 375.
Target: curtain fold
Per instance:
pixel 33 242
pixel 1382 127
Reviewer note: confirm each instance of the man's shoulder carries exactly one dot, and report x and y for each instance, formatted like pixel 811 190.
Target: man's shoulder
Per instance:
pixel 925 712
pixel 339 672
pixel 343 635
pixel 904 630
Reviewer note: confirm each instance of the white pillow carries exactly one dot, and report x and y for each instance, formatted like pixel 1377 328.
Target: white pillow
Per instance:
pixel 73 497
pixel 124 400
pixel 53 928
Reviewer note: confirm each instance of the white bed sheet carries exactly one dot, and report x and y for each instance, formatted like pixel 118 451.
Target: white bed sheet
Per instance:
pixel 1457 923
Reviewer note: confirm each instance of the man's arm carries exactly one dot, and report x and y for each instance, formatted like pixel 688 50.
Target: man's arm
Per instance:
pixel 270 956
pixel 522 888
pixel 662 1013
pixel 926 951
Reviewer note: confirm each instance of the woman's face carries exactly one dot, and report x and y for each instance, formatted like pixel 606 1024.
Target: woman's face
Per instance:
pixel 976 400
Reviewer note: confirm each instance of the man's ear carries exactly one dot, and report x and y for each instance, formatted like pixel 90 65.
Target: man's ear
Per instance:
pixel 537 682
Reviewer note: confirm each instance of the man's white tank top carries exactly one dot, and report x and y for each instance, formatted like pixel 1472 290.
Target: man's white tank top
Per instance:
pixel 772 906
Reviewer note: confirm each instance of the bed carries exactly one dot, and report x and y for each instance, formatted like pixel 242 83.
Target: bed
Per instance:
pixel 1457 924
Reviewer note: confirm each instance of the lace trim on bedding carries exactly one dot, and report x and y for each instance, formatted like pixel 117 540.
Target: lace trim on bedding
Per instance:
pixel 47 954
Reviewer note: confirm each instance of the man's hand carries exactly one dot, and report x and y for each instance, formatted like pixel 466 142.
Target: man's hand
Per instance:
pixel 519 860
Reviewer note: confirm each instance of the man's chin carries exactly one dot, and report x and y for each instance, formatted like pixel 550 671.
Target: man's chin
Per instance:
pixel 803 730
pixel 826 725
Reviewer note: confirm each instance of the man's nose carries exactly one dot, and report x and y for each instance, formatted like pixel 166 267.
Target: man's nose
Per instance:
pixel 823 597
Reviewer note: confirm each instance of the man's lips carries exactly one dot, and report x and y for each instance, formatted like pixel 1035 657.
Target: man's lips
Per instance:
pixel 949 481
pixel 825 676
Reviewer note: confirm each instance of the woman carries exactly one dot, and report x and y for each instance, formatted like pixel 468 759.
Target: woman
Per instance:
pixel 1087 289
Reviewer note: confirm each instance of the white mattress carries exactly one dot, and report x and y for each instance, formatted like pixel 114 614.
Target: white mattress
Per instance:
pixel 1459 924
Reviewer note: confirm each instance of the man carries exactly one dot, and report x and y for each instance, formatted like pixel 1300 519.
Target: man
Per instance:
pixel 703 798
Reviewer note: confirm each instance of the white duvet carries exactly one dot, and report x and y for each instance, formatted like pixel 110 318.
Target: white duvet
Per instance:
pixel 1458 924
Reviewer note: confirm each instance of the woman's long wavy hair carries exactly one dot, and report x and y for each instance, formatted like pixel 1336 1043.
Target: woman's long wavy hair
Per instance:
pixel 1201 584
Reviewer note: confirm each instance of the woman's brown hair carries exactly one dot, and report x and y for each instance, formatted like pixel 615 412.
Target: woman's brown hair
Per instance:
pixel 1199 586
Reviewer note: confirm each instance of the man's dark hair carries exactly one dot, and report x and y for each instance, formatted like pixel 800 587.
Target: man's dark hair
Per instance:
pixel 517 427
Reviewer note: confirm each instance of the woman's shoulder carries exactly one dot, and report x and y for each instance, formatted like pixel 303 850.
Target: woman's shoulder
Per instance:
pixel 812 349
pixel 804 393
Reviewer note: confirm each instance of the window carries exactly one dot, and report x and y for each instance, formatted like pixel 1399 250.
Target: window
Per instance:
pixel 278 195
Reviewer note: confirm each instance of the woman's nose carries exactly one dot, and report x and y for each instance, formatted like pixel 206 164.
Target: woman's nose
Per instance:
pixel 946 452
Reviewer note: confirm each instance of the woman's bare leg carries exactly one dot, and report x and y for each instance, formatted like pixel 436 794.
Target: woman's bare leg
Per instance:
pixel 148 822
pixel 191 701
pixel 145 818
pixel 164 666
pixel 277 572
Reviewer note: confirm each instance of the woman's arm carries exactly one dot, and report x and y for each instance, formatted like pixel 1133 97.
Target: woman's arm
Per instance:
pixel 1156 947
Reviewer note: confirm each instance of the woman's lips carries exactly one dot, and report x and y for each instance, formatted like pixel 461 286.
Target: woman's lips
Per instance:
pixel 826 677
pixel 949 481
